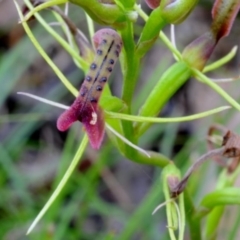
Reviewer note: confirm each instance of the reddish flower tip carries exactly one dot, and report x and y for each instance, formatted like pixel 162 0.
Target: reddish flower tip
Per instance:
pixel 153 3
pixel 66 119
pixel 224 13
pixel 106 33
pixel 197 53
pixel 95 128
pixel 91 117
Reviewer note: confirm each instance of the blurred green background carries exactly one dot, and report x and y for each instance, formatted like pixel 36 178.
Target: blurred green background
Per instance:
pixel 108 196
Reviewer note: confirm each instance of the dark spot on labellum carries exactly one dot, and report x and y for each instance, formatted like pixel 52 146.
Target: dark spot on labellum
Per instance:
pixel 117 53
pixel 93 66
pixel 104 41
pixel 109 69
pixel 99 88
pixel 111 61
pixel 93 100
pixel 88 78
pixel 99 52
pixel 103 79
pixel 83 91
pixel 118 46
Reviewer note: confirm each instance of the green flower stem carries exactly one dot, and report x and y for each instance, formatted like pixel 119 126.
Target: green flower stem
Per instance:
pixel 193 222
pixel 216 88
pixel 221 61
pixel 167 85
pixel 213 221
pixel 62 183
pixel 183 217
pixel 129 64
pixel 84 65
pixel 129 152
pixel 130 68
pixel 35 42
pixel 164 120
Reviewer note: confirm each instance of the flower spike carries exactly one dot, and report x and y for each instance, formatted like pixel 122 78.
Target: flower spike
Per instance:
pixel 85 108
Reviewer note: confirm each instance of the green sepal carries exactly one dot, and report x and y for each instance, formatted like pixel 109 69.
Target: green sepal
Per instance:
pixel 106 14
pixel 150 32
pixel 174 12
pixel 167 85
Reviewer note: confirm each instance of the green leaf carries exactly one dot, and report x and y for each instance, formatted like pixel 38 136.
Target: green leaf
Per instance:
pixel 224 196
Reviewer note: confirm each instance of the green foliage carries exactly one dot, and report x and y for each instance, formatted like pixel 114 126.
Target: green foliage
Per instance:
pixel 73 203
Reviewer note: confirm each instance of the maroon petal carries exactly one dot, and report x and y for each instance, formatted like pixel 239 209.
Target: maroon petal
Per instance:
pixel 66 119
pixel 224 13
pixel 153 3
pixel 95 127
pixel 91 116
pixel 85 107
pixel 197 53
pixel 106 33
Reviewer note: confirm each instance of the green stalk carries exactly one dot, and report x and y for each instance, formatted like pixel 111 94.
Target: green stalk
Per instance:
pixel 130 69
pixel 164 120
pixel 129 64
pixel 220 62
pixel 65 178
pixel 194 223
pixel 213 221
pixel 216 88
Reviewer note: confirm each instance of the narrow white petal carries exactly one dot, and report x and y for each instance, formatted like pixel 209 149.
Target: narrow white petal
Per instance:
pixel 66 9
pixel 161 205
pixel 173 41
pixel 58 24
pixel 44 100
pixel 127 141
pixel 224 79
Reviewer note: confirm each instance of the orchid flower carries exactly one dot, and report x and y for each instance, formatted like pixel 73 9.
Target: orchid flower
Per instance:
pixel 85 107
pixel 108 45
